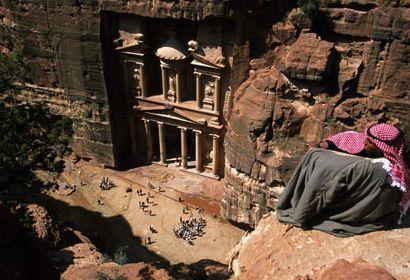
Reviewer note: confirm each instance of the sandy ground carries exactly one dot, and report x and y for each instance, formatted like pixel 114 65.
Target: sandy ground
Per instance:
pixel 113 217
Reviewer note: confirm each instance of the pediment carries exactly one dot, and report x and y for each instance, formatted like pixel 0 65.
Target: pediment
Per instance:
pixel 202 61
pixel 132 50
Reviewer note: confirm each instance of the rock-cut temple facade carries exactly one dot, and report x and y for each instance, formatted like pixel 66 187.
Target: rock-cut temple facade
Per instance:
pixel 172 90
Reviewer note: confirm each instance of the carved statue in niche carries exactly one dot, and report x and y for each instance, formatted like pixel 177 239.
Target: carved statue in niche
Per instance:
pixel 171 84
pixel 133 79
pixel 209 90
pixel 136 80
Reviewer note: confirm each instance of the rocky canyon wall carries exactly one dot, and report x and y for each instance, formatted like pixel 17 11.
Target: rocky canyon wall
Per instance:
pixel 342 68
pixel 294 78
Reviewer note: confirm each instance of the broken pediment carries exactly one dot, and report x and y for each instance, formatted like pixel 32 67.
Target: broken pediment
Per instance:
pixel 130 34
pixel 130 42
pixel 206 55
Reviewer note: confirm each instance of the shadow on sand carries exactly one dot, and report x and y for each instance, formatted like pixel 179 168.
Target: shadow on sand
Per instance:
pixel 110 233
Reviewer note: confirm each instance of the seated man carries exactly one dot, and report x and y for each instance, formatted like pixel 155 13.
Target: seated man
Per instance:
pixel 342 193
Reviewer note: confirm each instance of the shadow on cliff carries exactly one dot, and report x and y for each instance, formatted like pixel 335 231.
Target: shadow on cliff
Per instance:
pixel 110 233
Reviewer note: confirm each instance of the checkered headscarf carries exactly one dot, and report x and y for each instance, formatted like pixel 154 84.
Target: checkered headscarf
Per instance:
pixel 351 142
pixel 389 139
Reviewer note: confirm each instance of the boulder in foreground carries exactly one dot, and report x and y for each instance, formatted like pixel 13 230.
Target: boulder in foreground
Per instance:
pixel 279 251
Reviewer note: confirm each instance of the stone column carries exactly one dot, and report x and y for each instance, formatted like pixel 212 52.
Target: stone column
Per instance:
pixel 217 95
pixel 177 86
pixel 184 153
pixel 215 157
pixel 164 82
pixel 142 81
pixel 148 139
pixel 198 90
pixel 162 144
pixel 198 150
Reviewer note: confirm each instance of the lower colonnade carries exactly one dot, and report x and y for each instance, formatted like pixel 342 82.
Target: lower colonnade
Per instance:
pixel 184 148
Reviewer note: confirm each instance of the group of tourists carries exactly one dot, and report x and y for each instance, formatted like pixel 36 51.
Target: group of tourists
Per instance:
pixel 189 229
pixel 106 183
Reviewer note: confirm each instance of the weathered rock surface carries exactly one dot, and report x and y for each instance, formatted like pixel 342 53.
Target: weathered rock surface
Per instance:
pixel 343 269
pixel 308 58
pixel 278 251
pixel 61 42
pixel 42 226
pixel 134 271
pixel 78 254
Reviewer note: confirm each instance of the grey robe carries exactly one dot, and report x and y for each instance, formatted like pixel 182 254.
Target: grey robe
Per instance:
pixel 339 193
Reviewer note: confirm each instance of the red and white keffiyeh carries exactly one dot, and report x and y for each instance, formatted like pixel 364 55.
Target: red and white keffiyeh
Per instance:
pixel 351 142
pixel 389 139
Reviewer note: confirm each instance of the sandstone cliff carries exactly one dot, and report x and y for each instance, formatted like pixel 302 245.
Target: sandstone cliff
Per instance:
pixel 294 77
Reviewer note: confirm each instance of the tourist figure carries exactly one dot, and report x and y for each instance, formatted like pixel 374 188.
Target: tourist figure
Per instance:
pixel 152 229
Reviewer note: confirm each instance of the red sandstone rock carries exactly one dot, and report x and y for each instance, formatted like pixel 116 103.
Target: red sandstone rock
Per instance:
pixel 279 251
pixel 42 225
pixel 309 58
pixel 378 23
pixel 134 271
pixel 343 269
pixel 282 33
pixel 79 254
pixel 299 19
